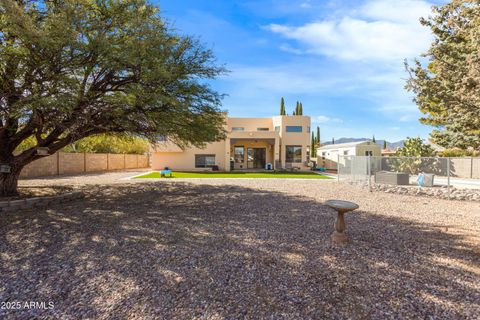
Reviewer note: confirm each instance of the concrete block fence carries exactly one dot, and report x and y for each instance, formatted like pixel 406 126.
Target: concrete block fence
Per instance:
pixel 74 163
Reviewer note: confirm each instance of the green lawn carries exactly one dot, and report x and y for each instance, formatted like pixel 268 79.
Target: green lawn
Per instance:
pixel 283 175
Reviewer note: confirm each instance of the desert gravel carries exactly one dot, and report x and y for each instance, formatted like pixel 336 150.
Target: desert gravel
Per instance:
pixel 239 248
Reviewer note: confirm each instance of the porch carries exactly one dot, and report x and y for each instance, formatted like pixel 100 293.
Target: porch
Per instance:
pixel 254 155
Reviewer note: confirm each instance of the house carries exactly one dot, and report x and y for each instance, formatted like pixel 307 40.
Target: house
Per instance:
pixel 251 143
pixel 327 156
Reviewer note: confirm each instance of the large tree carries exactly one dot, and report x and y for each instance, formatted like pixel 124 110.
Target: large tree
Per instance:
pixel 447 86
pixel 75 68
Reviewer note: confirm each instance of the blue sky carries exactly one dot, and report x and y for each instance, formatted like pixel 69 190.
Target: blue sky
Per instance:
pixel 342 59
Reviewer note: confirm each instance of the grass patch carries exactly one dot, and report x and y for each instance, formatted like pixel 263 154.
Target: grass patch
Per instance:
pixel 278 175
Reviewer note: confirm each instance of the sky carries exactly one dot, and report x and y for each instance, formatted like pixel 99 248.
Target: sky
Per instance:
pixel 343 59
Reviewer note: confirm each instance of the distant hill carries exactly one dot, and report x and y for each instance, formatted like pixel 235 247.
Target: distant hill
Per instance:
pixel 390 145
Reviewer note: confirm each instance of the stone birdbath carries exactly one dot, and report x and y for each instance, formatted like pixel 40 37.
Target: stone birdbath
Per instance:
pixel 341 207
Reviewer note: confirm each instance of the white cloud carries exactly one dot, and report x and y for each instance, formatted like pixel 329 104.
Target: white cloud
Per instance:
pixel 379 30
pixel 289 48
pixel 326 119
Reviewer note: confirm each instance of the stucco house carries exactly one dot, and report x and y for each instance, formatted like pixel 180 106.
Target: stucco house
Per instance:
pixel 327 156
pixel 252 143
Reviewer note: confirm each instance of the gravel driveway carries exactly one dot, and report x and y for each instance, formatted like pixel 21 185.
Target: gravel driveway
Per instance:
pixel 216 249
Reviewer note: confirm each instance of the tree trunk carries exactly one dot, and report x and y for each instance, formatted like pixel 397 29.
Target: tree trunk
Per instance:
pixel 9 182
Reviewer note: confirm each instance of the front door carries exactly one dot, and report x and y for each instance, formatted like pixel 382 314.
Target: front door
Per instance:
pixel 256 158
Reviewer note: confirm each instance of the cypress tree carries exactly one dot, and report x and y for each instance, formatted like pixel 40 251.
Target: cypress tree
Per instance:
pixel 333 140
pixel 318 136
pixel 385 144
pixel 313 152
pixel 282 107
pixel 300 109
pixel 373 140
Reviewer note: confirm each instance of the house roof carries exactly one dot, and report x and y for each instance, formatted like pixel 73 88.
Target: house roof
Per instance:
pixel 346 145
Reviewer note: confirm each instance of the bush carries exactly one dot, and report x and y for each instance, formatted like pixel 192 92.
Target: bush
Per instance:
pixel 457 152
pixel 102 143
pixel 110 143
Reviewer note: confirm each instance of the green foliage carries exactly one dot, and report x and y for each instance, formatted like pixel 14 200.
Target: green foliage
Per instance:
pixel 333 140
pixel 410 158
pixel 456 152
pixel 447 90
pixel 72 69
pixel 318 136
pixel 108 143
pixel 415 147
pixel 237 175
pixel 384 144
pixel 102 143
pixel 373 139
pixel 282 107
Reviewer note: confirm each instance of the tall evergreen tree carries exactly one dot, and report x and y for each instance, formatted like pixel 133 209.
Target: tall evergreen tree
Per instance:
pixel 297 109
pixel 300 109
pixel 373 139
pixel 282 107
pixel 333 140
pixel 447 89
pixel 384 144
pixel 318 137
pixel 313 151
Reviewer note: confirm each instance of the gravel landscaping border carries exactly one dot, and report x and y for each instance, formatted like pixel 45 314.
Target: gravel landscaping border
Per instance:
pixel 240 249
pixel 39 202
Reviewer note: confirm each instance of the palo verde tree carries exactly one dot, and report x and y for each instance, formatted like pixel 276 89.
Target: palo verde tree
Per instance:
pixel 75 68
pixel 447 87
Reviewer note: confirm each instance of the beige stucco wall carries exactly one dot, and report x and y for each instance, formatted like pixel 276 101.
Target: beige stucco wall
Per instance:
pixel 167 154
pixel 185 161
pixel 249 124
pixel 294 138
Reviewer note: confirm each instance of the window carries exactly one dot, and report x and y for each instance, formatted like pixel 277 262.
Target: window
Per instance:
pixel 345 153
pixel 204 160
pixel 369 153
pixel 238 129
pixel 277 129
pixel 239 154
pixel 308 129
pixel 294 129
pixel 294 154
pixel 262 129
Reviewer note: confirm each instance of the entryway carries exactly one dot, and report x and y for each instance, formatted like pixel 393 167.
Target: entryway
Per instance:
pixel 256 158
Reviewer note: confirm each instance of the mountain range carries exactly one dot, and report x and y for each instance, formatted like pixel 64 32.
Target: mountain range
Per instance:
pixel 390 145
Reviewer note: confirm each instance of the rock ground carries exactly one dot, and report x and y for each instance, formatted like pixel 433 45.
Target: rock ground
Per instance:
pixel 239 248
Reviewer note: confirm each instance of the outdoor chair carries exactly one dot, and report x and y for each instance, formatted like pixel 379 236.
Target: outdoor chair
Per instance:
pixel 164 172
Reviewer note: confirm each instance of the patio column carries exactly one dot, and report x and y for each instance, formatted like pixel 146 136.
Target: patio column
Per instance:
pixel 227 154
pixel 276 154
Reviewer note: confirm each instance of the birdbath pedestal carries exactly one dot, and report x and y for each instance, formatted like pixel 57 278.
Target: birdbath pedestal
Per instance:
pixel 341 207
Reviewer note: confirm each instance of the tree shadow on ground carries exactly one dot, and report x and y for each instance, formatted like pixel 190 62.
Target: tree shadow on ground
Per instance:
pixel 184 251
